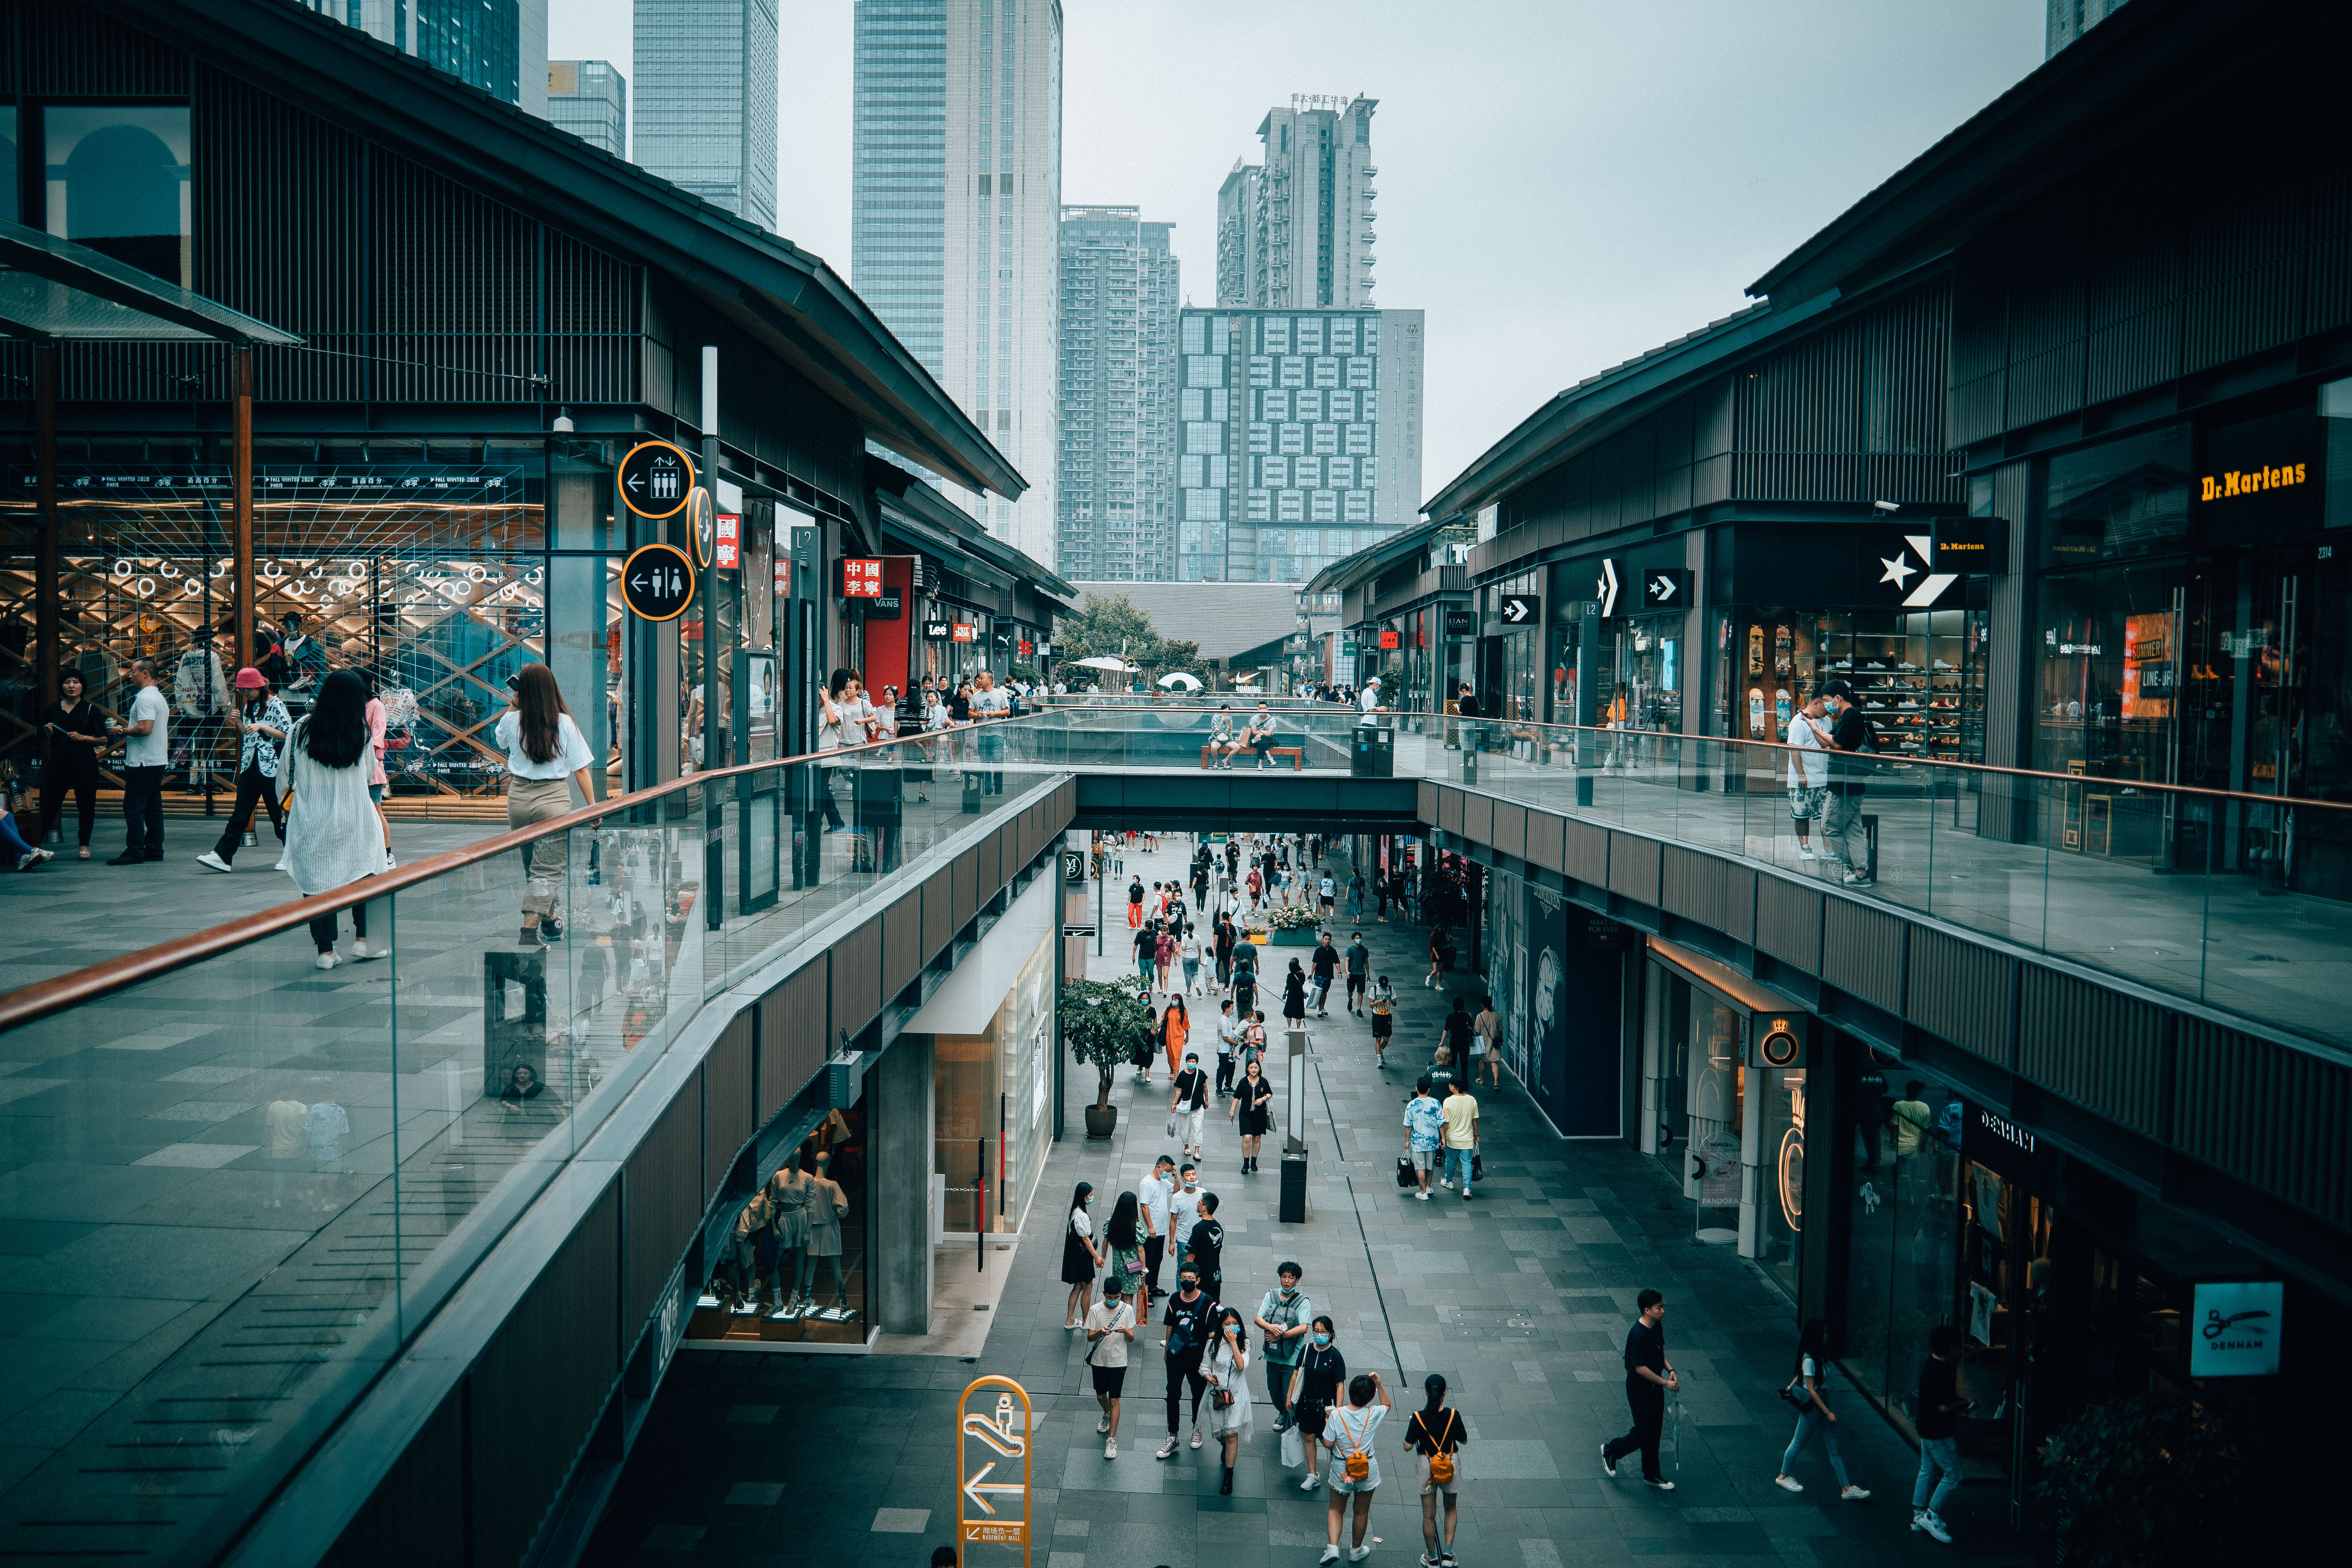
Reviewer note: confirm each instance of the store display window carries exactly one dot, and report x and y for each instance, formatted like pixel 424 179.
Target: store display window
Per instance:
pixel 1781 1217
pixel 1905 1206
pixel 1920 673
pixel 994 1118
pixel 793 1267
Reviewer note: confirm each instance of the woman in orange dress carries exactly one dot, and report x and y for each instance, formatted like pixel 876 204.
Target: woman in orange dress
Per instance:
pixel 1175 1028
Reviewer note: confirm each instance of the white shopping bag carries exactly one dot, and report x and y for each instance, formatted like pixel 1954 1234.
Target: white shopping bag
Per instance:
pixel 1294 1447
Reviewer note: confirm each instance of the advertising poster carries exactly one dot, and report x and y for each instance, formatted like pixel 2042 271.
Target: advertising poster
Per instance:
pixel 1546 1073
pixel 1506 970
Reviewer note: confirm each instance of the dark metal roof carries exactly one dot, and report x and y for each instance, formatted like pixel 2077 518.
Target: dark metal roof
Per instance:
pixel 1374 559
pixel 780 296
pixel 52 290
pixel 919 510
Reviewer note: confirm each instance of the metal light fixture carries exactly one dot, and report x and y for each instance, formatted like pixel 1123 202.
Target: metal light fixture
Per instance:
pixel 562 426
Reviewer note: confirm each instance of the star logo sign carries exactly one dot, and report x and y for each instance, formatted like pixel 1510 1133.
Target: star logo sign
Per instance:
pixel 1900 570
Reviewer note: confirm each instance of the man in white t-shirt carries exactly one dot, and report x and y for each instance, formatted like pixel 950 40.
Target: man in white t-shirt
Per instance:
pixel 147 751
pixel 990 703
pixel 1809 773
pixel 1370 699
pixel 1155 1196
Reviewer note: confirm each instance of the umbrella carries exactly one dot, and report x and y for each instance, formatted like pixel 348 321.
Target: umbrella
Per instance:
pixel 1120 665
pixel 1184 678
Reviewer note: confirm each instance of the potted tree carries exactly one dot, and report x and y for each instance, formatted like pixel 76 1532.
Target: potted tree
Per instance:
pixel 2155 1482
pixel 1103 1025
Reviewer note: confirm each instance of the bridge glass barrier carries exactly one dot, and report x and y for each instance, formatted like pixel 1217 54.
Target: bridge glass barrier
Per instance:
pixel 236 1186
pixel 2206 895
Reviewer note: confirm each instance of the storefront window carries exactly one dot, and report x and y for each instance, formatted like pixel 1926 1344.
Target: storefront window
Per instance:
pixel 994 1120
pixel 2122 498
pixel 1781 1220
pixel 794 1270
pixel 1903 1217
pixel 1920 672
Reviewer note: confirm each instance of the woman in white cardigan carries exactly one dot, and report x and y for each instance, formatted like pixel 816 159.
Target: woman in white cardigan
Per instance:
pixel 333 835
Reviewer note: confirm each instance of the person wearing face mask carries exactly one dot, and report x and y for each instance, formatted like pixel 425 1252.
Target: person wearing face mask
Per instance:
pixel 1285 1316
pixel 1187 1320
pixel 1315 1380
pixel 1080 1257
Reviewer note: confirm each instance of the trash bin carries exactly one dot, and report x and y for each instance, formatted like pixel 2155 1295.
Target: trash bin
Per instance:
pixel 1373 757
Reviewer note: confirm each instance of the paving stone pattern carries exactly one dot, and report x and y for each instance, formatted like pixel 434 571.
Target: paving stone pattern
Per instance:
pixel 1521 1299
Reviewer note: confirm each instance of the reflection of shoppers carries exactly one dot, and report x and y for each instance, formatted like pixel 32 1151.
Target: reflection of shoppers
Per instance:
pixel 333 837
pixel 148 748
pixel 200 698
pixel 75 736
pixel 544 748
pixel 263 725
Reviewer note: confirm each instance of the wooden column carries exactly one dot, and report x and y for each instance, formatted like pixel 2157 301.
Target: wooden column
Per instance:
pixel 49 654
pixel 241 498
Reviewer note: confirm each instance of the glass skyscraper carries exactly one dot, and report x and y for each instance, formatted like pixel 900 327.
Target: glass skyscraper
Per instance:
pixel 591 99
pixel 1117 415
pixel 499 45
pixel 898 169
pixel 706 82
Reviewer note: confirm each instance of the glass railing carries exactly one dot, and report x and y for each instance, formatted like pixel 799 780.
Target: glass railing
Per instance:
pixel 238 1183
pixel 2232 900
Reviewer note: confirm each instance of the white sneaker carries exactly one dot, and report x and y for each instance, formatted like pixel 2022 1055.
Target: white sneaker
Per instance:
pixel 1111 1449
pixel 1788 1483
pixel 1805 852
pixel 1196 1438
pixel 1933 1526
pixel 1422 1195
pixel 362 953
pixel 1168 1447
pixel 214 861
pixel 1855 1494
pixel 328 961
pixel 1102 1427
pixel 1330 1554
pixel 1358 1553
pixel 1309 1484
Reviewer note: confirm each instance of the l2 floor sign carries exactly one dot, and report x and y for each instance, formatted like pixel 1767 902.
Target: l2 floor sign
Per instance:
pixel 2234 1332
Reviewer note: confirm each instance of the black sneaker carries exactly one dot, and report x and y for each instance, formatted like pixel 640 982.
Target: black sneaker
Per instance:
pixel 550 929
pixel 130 857
pixel 1608 1465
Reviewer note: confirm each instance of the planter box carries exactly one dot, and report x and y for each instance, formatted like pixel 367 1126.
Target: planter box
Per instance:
pixel 1303 936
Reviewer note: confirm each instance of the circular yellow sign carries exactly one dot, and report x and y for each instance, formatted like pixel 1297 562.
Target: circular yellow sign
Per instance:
pixel 656 479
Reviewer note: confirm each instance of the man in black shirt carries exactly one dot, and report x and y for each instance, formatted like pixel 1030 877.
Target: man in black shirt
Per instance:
pixel 1326 966
pixel 1207 1247
pixel 1842 829
pixel 1940 1408
pixel 1190 1100
pixel 1187 1321
pixel 1649 1378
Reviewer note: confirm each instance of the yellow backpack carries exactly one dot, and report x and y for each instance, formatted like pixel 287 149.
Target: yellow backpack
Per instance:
pixel 1441 1458
pixel 1358 1465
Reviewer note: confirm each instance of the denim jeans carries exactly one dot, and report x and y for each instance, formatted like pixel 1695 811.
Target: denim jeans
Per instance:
pixel 1457 1166
pixel 1807 1424
pixel 1938 1458
pixel 1843 836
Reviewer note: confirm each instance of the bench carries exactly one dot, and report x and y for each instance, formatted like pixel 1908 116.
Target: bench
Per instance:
pixel 1297 755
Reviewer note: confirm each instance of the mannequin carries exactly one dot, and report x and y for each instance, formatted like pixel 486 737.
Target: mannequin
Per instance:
pixel 789 1193
pixel 739 1272
pixel 827 1204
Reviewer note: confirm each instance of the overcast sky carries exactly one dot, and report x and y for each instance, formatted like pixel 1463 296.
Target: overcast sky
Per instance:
pixel 1563 184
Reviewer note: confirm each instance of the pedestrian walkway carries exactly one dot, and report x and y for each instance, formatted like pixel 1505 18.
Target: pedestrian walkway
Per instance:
pixel 1522 1300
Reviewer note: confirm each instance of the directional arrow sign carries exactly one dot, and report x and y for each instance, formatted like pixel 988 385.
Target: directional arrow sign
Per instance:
pixel 1665 588
pixel 1521 610
pixel 981 1483
pixel 1006 1430
pixel 656 479
pixel 658 582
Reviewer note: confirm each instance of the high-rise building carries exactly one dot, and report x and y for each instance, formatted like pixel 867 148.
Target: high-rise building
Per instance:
pixel 1299 438
pixel 706 75
pixel 1295 232
pixel 899 168
pixel 499 45
pixel 993 70
pixel 591 99
pixel 1117 415
pixel 2067 20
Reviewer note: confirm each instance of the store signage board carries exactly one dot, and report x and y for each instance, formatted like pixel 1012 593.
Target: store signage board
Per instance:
pixel 861 579
pixel 1518 610
pixel 2235 1329
pixel 992 1508
pixel 658 582
pixel 1971 546
pixel 1461 623
pixel 702 526
pixel 964 631
pixel 1388 639
pixel 1665 588
pixel 656 479
pixel 2263 480
pixel 887 606
pixel 728 552
pixel 936 631
pixel 2020 1153
pixel 1606 589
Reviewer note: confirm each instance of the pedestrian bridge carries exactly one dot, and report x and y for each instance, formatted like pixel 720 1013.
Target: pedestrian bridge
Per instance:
pixel 251 1336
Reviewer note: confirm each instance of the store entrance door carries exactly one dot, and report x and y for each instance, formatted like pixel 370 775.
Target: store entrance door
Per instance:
pixel 2266 666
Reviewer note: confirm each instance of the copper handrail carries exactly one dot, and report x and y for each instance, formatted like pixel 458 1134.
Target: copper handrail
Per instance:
pixel 45 998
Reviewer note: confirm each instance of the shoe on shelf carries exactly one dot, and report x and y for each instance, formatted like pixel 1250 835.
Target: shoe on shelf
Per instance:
pixel 1788 1483
pixel 1855 1494
pixel 328 961
pixel 212 860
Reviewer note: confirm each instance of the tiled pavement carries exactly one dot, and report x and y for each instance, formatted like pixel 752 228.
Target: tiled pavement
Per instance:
pixel 1521 1300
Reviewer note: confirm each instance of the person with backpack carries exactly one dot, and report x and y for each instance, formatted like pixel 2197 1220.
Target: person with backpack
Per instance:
pixel 1813 1413
pixel 1111 1329
pixel 1436 1434
pixel 1355 1467
pixel 1187 1321
pixel 1851 733
pixel 1206 1249
pixel 1315 1380
pixel 1381 1002
pixel 1285 1316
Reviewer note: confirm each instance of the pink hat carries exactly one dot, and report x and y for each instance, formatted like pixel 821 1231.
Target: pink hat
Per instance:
pixel 249 679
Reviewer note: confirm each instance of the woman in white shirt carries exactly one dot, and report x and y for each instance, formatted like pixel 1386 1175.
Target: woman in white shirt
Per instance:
pixel 842 716
pixel 333 837
pixel 1226 1366
pixel 1187 948
pixel 546 754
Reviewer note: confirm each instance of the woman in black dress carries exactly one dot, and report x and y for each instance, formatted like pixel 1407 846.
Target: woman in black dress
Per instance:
pixel 1251 1098
pixel 76 735
pixel 1294 993
pixel 1080 1257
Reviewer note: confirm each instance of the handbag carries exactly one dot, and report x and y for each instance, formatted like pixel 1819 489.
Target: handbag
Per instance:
pixel 1294 1448
pixel 1477 1166
pixel 1405 1177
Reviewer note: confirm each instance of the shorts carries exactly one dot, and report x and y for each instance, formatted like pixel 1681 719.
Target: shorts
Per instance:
pixel 1421 1462
pixel 1341 1486
pixel 1382 1023
pixel 1109 1380
pixel 1807 805
pixel 1424 1159
pixel 1355 985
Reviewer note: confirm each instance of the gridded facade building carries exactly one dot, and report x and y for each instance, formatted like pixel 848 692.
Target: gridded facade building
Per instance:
pixel 591 99
pixel 706 73
pixel 899 168
pixel 499 45
pixel 1297 232
pixel 1299 438
pixel 1119 396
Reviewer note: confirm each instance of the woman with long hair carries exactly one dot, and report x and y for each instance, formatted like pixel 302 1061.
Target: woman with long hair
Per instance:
pixel 544 750
pixel 1434 1435
pixel 1226 1367
pixel 1122 1240
pixel 263 725
pixel 333 837
pixel 76 735
pixel 1813 1372
pixel 1294 993
pixel 1175 1028
pixel 1251 1098
pixel 1315 1385
pixel 1080 1257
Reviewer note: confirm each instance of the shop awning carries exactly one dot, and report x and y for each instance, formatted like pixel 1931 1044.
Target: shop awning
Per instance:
pixel 53 291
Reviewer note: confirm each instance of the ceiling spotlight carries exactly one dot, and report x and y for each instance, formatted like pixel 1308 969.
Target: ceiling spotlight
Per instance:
pixel 1885 506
